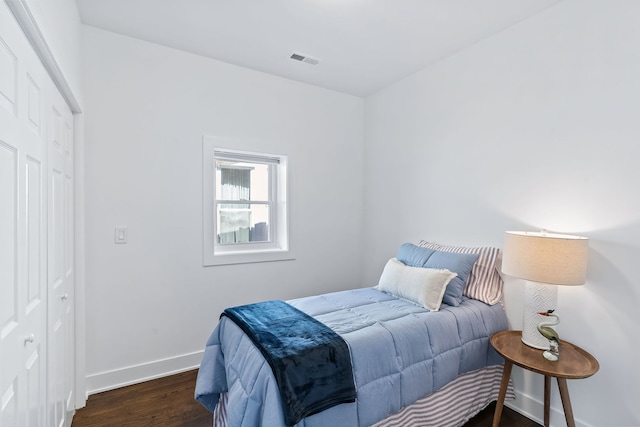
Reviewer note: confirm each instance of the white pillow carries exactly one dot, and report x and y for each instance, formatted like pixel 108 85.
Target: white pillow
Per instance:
pixel 424 286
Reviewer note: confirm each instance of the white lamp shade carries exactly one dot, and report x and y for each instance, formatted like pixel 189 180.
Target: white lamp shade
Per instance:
pixel 556 259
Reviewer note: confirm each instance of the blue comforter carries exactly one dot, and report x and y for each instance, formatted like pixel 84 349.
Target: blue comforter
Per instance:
pixel 400 352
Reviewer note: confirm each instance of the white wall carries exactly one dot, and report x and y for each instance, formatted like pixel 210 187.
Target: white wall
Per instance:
pixel 535 127
pixel 59 22
pixel 150 303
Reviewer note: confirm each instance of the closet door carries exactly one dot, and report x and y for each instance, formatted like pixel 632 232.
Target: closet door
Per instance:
pixel 23 238
pixel 60 254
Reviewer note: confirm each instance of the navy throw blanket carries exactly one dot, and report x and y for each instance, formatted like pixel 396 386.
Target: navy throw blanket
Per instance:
pixel 310 361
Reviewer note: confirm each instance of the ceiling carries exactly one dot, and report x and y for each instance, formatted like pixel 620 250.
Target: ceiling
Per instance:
pixel 362 45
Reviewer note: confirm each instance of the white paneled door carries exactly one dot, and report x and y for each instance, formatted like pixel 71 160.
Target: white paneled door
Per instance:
pixel 36 239
pixel 60 267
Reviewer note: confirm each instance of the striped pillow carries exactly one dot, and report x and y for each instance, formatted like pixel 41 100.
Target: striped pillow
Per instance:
pixel 484 283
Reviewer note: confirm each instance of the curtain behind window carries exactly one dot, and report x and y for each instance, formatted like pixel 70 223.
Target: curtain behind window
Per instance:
pixel 235 225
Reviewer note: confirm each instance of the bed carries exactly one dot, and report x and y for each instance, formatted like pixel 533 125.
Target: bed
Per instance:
pixel 418 344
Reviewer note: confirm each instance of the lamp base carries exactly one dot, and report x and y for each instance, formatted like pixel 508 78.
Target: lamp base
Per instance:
pixel 538 298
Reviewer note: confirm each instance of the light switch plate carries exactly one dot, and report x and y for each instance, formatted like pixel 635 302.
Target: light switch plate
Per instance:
pixel 121 235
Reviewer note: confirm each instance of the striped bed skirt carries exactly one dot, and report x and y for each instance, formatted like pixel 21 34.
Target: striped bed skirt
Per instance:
pixel 451 406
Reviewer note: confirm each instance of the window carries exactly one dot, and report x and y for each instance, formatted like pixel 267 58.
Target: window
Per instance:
pixel 243 198
pixel 245 205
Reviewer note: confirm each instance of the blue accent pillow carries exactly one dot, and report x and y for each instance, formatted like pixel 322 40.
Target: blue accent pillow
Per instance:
pixel 413 256
pixel 457 263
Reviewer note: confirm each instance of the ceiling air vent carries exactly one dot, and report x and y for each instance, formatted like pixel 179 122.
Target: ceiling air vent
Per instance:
pixel 304 58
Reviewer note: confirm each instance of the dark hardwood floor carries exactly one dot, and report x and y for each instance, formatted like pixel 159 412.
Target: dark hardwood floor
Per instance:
pixel 163 402
pixel 510 418
pixel 168 402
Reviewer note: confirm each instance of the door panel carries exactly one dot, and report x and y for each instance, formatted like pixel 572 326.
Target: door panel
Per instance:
pixel 8 78
pixel 61 277
pixel 9 405
pixel 34 104
pixel 35 225
pixel 8 242
pixel 36 387
pixel 10 327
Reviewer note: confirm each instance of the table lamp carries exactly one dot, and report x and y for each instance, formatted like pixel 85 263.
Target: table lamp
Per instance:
pixel 543 260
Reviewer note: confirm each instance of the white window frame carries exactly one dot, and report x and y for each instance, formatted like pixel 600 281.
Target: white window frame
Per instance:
pixel 279 246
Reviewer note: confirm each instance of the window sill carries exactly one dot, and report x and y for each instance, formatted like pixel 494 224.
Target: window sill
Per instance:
pixel 249 257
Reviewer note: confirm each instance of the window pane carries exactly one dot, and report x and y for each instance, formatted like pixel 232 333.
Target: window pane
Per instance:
pixel 242 181
pixel 246 223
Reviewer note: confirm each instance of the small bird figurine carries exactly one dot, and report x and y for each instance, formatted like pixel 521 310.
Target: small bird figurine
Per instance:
pixel 544 327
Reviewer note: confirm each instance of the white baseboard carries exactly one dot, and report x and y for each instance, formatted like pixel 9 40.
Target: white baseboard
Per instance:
pixel 129 375
pixel 533 409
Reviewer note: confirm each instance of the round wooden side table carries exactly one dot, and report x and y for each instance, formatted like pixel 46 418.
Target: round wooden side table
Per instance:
pixel 574 363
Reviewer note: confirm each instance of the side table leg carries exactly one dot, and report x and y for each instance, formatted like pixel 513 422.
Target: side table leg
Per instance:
pixel 566 402
pixel 506 374
pixel 547 399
